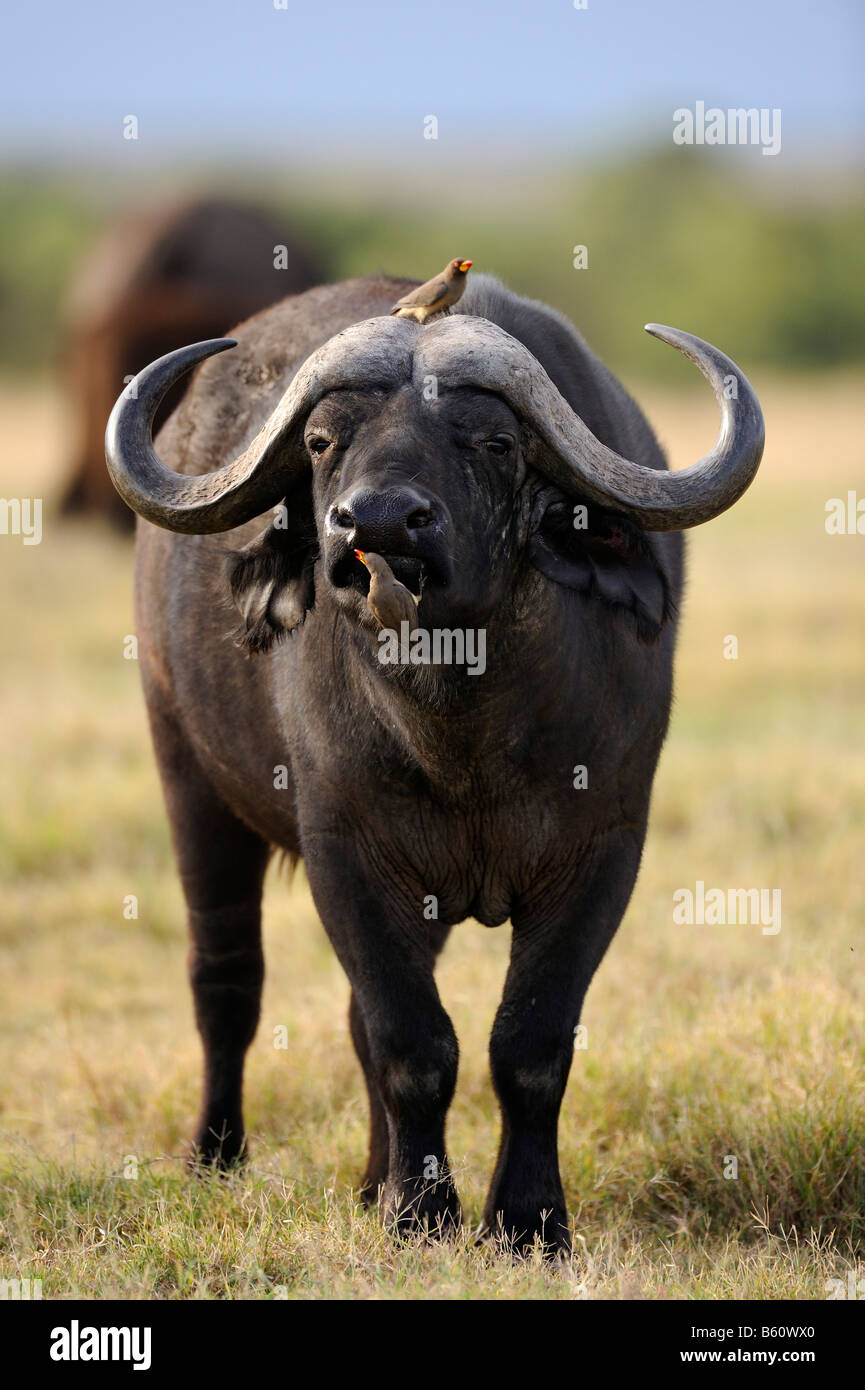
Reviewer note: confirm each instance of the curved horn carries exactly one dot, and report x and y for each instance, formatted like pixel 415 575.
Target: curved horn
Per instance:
pixel 157 493
pixel 458 350
pixel 374 352
pixel 462 350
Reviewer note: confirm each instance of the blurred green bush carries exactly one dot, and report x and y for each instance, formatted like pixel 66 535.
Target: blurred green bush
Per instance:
pixel 774 273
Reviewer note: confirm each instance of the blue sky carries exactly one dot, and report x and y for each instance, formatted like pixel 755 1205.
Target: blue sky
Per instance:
pixel 214 77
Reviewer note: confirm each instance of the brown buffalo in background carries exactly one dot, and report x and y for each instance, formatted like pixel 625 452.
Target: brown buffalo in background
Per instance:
pixel 157 278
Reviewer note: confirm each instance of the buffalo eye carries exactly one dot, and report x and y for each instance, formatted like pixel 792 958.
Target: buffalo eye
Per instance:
pixel 317 444
pixel 500 444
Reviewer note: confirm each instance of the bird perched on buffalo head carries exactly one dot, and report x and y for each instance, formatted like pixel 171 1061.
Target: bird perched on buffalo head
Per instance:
pixel 436 296
pixel 390 602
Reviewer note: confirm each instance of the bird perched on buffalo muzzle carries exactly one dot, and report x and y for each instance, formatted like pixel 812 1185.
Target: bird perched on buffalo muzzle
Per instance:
pixel 389 601
pixel 436 296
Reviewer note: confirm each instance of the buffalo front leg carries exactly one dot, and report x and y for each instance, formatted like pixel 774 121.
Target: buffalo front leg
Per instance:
pixel 554 955
pixel 222 865
pixel 404 1038
pixel 226 971
pixel 375 1177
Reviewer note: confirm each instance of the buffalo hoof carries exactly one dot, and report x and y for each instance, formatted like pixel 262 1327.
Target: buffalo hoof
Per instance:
pixel 371 1191
pixel 212 1152
pixel 521 1231
pixel 434 1213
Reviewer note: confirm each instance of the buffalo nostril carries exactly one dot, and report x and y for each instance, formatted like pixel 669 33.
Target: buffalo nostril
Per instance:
pixel 343 517
pixel 422 516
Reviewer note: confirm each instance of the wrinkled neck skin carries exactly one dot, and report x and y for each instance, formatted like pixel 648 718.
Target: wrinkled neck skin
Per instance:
pixel 444 704
pixel 464 734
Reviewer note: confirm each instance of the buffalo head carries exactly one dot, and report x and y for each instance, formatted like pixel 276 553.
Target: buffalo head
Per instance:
pixel 447 449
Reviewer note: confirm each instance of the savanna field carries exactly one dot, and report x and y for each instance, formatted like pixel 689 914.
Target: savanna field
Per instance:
pixel 705 1043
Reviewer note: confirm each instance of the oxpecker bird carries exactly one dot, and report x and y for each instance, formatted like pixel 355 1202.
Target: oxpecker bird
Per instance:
pixel 436 296
pixel 390 602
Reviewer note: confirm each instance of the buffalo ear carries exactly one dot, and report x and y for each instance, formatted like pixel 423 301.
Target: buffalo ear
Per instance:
pixel 272 582
pixel 610 558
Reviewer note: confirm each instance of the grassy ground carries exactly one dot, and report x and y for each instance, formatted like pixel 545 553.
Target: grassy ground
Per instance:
pixel 704 1042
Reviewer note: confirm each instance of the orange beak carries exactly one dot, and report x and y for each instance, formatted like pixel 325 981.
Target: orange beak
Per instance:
pixel 360 555
pixel 464 265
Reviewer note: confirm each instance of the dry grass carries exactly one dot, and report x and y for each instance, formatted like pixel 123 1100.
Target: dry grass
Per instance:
pixel 703 1041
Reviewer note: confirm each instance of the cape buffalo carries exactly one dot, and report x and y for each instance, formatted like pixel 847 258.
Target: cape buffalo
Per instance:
pixel 505 475
pixel 159 277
